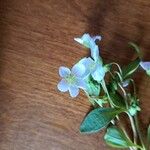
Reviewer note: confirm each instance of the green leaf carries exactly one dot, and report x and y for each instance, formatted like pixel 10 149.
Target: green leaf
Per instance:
pixel 148 137
pixel 115 137
pixel 117 99
pixel 136 48
pixel 93 88
pixel 128 70
pixel 97 119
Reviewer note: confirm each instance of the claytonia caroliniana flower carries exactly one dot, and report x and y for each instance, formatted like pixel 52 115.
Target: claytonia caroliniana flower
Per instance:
pixel 125 83
pixel 145 66
pixel 89 42
pixel 93 66
pixel 79 75
pixel 72 79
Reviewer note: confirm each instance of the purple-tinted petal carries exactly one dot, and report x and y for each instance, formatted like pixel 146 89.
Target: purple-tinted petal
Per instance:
pixel 79 40
pixel 99 74
pixel 87 40
pixel 82 84
pixel 78 70
pixel 125 83
pixel 74 91
pixel 145 65
pixel 97 38
pixel 63 86
pixel 89 64
pixel 64 71
pixel 84 40
pixel 87 61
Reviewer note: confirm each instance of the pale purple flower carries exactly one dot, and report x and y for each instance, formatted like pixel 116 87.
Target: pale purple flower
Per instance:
pixel 94 68
pixel 89 42
pixel 145 65
pixel 125 83
pixel 72 79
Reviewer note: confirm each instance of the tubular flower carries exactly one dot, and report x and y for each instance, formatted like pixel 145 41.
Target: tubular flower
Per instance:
pixel 89 42
pixel 145 66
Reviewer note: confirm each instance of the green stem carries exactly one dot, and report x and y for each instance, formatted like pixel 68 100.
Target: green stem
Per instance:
pixel 139 132
pixel 133 128
pixel 124 92
pixel 89 98
pixel 119 68
pixel 110 101
pixel 106 91
pixel 116 72
pixel 125 95
pixel 134 87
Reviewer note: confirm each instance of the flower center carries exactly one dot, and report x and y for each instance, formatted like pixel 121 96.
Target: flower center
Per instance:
pixel 71 79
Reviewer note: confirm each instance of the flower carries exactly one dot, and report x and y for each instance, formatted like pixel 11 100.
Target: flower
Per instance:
pixel 94 68
pixel 145 66
pixel 125 83
pixel 89 42
pixel 72 79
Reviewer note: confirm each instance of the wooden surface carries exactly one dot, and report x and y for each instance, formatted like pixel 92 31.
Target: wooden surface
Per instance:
pixel 36 37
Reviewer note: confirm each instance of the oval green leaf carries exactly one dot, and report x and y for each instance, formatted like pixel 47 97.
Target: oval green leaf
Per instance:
pixel 117 99
pixel 128 70
pixel 97 119
pixel 115 137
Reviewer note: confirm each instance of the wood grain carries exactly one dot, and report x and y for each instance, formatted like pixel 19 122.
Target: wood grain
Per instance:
pixel 36 37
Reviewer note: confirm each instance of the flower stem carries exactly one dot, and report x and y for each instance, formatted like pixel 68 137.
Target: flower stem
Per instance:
pixel 139 132
pixel 106 91
pixel 119 68
pixel 133 128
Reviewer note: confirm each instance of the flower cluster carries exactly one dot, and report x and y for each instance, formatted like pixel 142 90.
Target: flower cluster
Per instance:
pixel 109 96
pixel 78 76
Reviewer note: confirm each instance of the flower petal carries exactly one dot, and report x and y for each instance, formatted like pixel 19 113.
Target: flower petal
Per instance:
pixel 99 74
pixel 90 66
pixel 97 38
pixel 74 91
pixel 82 84
pixel 145 65
pixel 64 71
pixel 87 61
pixel 125 83
pixel 63 86
pixel 79 40
pixel 84 40
pixel 95 52
pixel 78 70
pixel 87 40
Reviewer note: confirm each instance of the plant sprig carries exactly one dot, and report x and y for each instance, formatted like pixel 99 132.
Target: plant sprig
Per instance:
pixel 109 96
